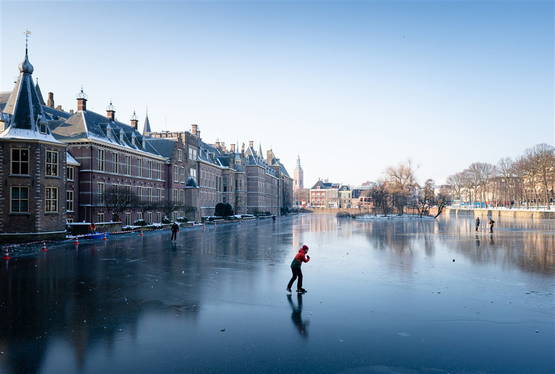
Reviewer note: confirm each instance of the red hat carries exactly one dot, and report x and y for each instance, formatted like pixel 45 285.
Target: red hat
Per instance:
pixel 304 247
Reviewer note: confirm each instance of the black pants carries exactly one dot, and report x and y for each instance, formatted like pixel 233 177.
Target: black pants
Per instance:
pixel 174 235
pixel 297 273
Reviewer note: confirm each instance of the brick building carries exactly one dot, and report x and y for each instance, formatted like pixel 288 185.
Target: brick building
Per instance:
pixel 79 165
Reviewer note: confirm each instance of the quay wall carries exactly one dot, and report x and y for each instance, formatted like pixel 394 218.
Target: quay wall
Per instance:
pixel 502 213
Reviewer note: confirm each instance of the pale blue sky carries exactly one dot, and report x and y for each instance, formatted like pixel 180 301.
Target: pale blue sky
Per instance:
pixel 352 87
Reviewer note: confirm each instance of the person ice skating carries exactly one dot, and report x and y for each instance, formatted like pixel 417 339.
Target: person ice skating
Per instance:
pixel 175 229
pixel 300 257
pixel 477 223
pixel 491 223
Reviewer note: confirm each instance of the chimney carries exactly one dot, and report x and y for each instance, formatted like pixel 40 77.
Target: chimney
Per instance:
pixel 111 112
pixel 134 121
pixel 81 100
pixel 194 129
pixel 269 156
pixel 232 146
pixel 50 101
pixel 251 143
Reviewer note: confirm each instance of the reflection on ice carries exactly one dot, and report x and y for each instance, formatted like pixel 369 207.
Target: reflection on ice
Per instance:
pixel 384 295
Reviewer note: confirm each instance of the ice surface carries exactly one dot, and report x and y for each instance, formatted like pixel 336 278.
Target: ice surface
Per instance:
pixel 384 297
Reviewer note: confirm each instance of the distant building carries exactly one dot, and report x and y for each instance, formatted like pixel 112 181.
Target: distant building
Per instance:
pixel 324 195
pixel 298 176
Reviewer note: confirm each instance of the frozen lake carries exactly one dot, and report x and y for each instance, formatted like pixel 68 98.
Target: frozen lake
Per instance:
pixel 384 297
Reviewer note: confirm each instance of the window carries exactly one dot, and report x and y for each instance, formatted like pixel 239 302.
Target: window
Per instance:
pixel 158 217
pixel 192 154
pixel 20 161
pixel 193 173
pixel 42 126
pixel 100 192
pixel 70 173
pixel 100 217
pixel 150 194
pixel 175 195
pixel 150 168
pixel 19 200
pixel 51 200
pixel 101 160
pixel 179 155
pixel 140 166
pixel 69 220
pixel 127 165
pixel 175 173
pixel 116 163
pixel 128 219
pixel 149 217
pixel 69 201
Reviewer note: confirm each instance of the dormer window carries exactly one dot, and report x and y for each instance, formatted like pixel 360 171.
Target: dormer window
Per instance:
pixel 43 127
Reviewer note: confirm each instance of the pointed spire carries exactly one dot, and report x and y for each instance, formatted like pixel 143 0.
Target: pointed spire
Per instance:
pixel 146 127
pixel 260 150
pixel 39 93
pixel 24 103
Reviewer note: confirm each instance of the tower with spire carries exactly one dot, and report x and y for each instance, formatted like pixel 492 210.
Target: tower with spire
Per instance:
pixel 33 168
pixel 298 176
pixel 146 127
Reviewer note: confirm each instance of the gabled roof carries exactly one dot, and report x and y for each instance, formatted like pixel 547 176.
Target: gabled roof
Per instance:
pixel 4 96
pixel 39 93
pixel 93 126
pixel 321 185
pixel 164 147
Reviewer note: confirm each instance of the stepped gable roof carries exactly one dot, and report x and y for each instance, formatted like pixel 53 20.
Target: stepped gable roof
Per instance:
pixel 93 126
pixel 23 110
pixel 39 93
pixel 255 159
pixel 164 147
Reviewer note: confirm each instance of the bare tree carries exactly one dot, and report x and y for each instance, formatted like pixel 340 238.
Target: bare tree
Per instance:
pixel 118 199
pixel 380 197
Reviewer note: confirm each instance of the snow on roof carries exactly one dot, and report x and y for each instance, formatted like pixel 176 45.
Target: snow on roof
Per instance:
pixel 27 134
pixel 71 160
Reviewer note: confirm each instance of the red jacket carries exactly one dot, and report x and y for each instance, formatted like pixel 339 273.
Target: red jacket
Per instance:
pixel 301 256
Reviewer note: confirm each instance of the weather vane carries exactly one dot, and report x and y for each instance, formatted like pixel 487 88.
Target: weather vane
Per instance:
pixel 27 33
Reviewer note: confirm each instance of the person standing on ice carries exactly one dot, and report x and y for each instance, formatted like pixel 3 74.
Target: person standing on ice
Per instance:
pixel 300 257
pixel 175 229
pixel 477 223
pixel 491 223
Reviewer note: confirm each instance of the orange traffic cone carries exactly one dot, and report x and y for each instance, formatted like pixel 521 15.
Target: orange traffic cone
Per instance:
pixel 105 236
pixel 6 254
pixel 43 248
pixel 76 241
pixel 141 233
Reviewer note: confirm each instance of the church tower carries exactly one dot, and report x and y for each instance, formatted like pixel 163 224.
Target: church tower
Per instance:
pixel 298 182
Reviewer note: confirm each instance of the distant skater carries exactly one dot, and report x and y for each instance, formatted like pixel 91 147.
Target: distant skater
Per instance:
pixel 477 223
pixel 300 257
pixel 491 223
pixel 175 229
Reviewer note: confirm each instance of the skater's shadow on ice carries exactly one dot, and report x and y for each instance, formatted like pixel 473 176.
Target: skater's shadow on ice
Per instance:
pixel 296 315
